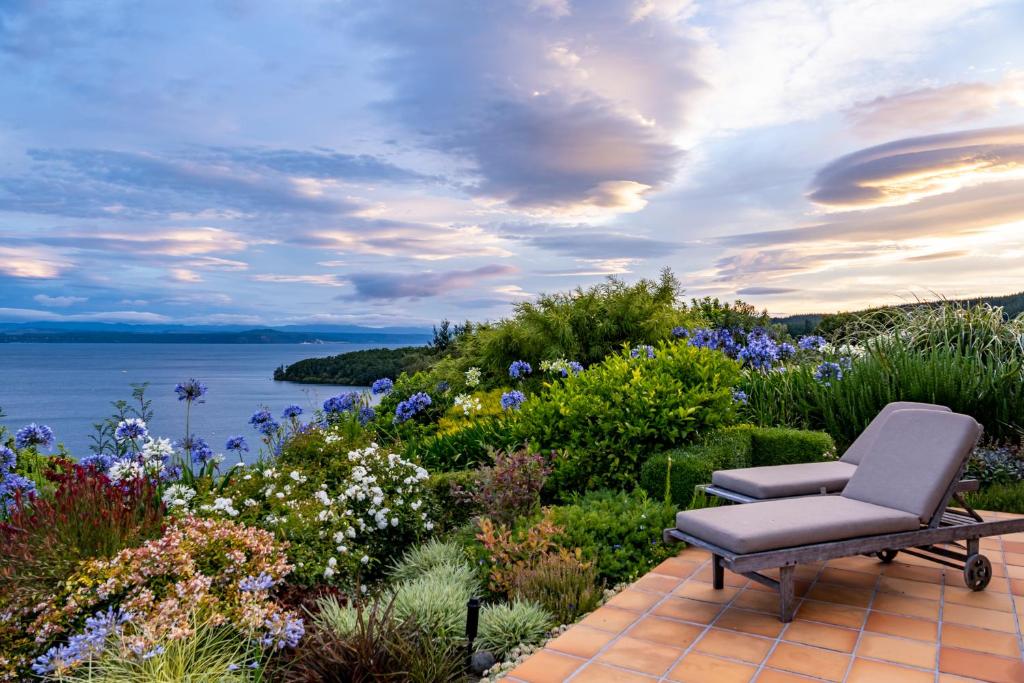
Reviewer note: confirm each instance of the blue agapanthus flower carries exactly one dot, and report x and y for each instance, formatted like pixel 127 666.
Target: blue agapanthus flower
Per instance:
pixel 83 646
pixel 812 342
pixel 131 429
pixel 761 351
pixel 644 351
pixel 343 403
pixel 366 415
pixel 282 632
pixel 408 408
pixel 680 332
pixel 512 400
pixel 33 435
pixel 237 443
pixel 827 372
pixel 739 396
pixel 786 350
pixel 441 387
pixel 251 584
pixel 11 484
pixel 8 459
pixel 197 448
pixel 101 462
pixel 382 386
pixel 572 367
pixel 719 340
pixel 192 391
pixel 291 411
pixel 519 369
pixel 264 422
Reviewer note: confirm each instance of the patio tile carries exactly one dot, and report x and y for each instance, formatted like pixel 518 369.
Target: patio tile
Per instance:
pixel 734 645
pixel 657 583
pixel 906 627
pixel 641 655
pixel 700 668
pixel 898 650
pixel 637 601
pixel 755 623
pixel 842 595
pixel 913 572
pixel 546 667
pixel 867 671
pixel 666 631
pixel 597 673
pixel 776 676
pixel 688 610
pixel 980 640
pixel 981 666
pixel 857 563
pixel 908 607
pixel 610 619
pixel 581 641
pixel 1016 586
pixel 820 635
pixel 909 588
pixel 810 661
pixel 984 599
pixel 759 601
pixel 838 615
pixel 982 618
pixel 731 579
pixel 698 590
pixel 845 577
pixel 678 567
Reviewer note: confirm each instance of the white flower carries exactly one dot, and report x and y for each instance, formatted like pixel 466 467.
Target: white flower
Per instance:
pixel 428 526
pixel 178 495
pixel 125 469
pixel 394 521
pixel 365 559
pixel 249 502
pixel 224 505
pixel 332 562
pixel 328 572
pixel 473 377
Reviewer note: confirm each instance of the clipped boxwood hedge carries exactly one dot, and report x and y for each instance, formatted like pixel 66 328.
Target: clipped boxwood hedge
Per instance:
pixel 730 448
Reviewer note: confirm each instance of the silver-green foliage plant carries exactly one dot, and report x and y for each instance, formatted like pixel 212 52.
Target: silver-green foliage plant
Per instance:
pixel 434 605
pixel 504 626
pixel 424 557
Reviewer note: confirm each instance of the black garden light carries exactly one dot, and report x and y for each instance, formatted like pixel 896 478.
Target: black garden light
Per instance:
pixel 472 623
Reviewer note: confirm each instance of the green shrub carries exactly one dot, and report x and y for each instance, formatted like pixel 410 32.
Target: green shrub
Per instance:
pixel 785 446
pixel 619 532
pixel 504 626
pixel 611 416
pixel 728 448
pixel 999 498
pixel 425 557
pixel 561 585
pixel 469 446
pixel 450 510
pixel 434 605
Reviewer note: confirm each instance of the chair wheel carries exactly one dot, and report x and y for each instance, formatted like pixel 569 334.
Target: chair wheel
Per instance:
pixel 977 572
pixel 887 555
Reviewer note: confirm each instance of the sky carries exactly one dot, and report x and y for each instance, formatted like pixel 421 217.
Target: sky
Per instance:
pixel 393 162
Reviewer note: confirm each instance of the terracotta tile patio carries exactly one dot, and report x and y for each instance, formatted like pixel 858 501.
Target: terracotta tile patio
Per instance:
pixel 858 621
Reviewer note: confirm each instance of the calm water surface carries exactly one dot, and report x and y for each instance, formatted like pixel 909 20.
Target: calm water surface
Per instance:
pixel 70 386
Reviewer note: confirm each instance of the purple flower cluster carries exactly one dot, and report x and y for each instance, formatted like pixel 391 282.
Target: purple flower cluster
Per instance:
pixel 264 423
pixel 512 400
pixel 197 448
pixel 827 372
pixel 812 343
pixel 680 332
pixel 739 396
pixel 101 462
pixel 238 444
pixel 33 435
pixel 12 483
pixel 191 391
pixel 343 403
pixel 131 429
pixel 410 406
pixel 519 369
pixel 382 386
pixel 719 340
pixel 761 352
pixel 282 632
pixel 8 459
pixel 251 584
pixel 83 646
pixel 291 412
pixel 366 415
pixel 644 350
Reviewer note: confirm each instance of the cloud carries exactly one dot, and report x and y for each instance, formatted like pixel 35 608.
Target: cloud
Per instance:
pixel 32 261
pixel 586 242
pixel 184 275
pixel 571 109
pixel 758 291
pixel 384 285
pixel 27 314
pixel 938 256
pixel 184 242
pixel 58 301
pixel 326 279
pixel 420 241
pixel 928 108
pixel 318 163
pixel 911 169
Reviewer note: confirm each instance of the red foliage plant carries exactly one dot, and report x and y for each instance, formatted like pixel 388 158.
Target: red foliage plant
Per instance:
pixel 511 487
pixel 88 516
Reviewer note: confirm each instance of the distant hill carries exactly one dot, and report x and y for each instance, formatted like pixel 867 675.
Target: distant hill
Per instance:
pixel 1012 304
pixel 358 368
pixel 115 333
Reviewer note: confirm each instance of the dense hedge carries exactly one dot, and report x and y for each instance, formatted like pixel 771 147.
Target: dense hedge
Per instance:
pixel 450 510
pixel 358 368
pixel 730 448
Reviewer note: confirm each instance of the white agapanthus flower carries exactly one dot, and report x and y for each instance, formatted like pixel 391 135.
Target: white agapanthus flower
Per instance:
pixel 473 377
pixel 178 496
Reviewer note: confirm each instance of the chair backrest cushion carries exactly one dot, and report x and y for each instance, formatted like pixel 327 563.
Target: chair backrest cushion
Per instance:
pixel 914 459
pixel 862 445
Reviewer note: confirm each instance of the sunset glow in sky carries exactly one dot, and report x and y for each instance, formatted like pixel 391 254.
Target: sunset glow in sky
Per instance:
pixel 395 162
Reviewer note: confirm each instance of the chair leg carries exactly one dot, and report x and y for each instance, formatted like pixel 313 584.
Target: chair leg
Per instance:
pixel 787 593
pixel 719 572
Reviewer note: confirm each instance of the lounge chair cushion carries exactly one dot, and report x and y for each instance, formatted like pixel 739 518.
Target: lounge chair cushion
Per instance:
pixel 862 445
pixel 913 461
pixel 775 524
pixel 782 481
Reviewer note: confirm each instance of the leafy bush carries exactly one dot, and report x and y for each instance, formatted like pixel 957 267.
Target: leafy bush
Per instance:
pixel 504 626
pixel 325 449
pixel 468 446
pixel 782 446
pixel 609 417
pixel 434 605
pixel 511 487
pixel 563 586
pixel 425 557
pixel 451 509
pixel 619 532
pixel 691 466
pixel 510 551
pixel 358 368
pixel 999 498
pixel 996 464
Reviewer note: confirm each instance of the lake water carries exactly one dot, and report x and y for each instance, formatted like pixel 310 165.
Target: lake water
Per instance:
pixel 70 386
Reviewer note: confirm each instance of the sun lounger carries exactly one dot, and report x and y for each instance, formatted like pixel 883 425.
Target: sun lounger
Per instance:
pixel 750 484
pixel 895 501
